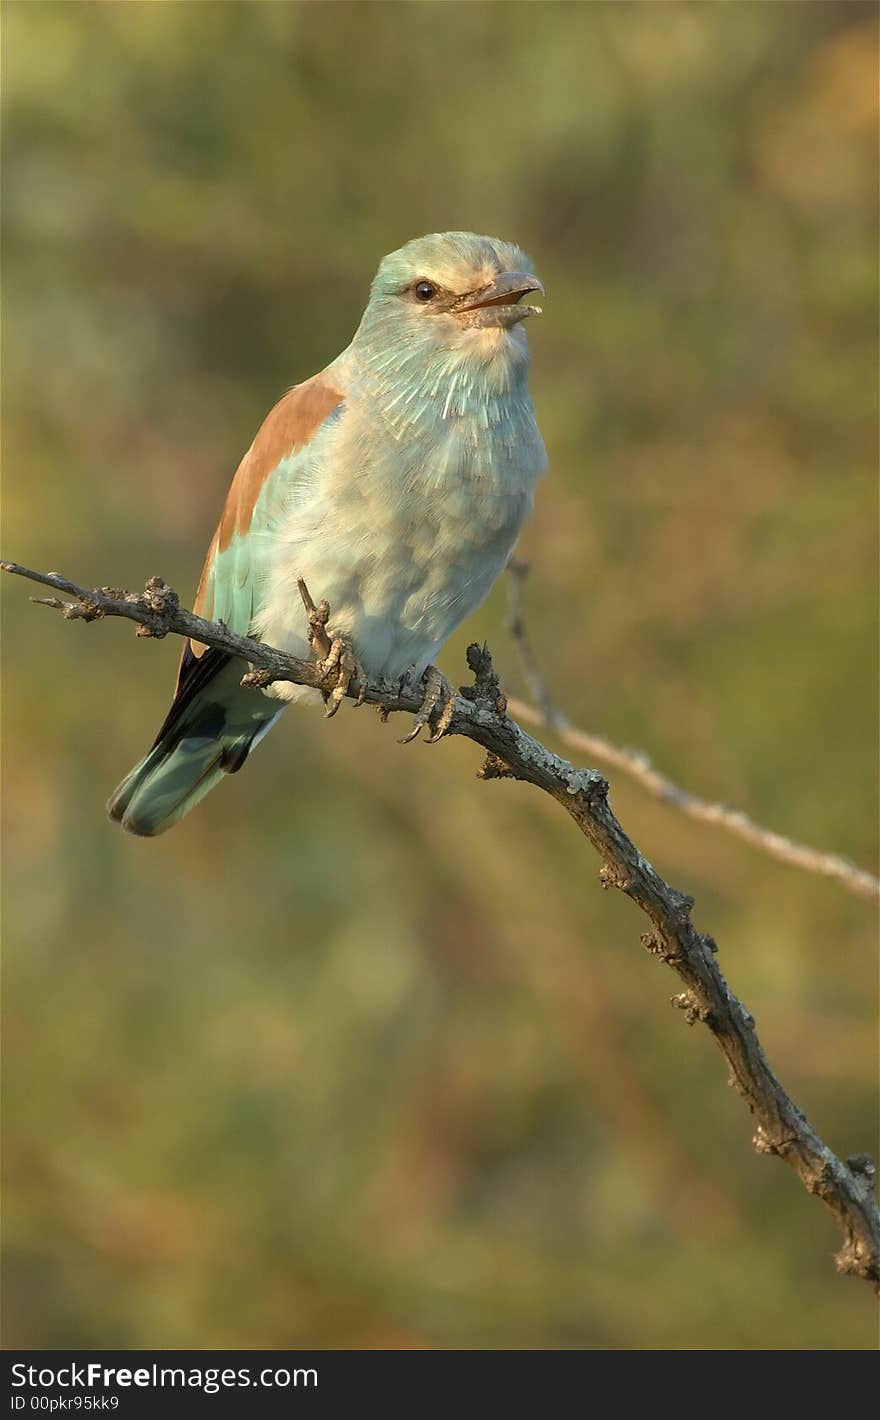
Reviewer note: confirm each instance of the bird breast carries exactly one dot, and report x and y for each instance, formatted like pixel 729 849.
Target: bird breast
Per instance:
pixel 403 536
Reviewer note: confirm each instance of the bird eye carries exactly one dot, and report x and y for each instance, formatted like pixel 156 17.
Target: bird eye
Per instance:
pixel 425 291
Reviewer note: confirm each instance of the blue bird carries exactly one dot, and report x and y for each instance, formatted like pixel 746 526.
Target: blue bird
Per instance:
pixel 395 483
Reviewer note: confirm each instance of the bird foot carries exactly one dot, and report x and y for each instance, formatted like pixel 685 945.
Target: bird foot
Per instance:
pixel 436 710
pixel 342 659
pixel 332 653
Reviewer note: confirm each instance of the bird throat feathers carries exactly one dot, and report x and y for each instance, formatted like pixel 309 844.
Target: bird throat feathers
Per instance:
pixel 429 369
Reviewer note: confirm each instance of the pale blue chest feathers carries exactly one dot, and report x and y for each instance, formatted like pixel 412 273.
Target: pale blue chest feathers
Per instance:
pixel 410 500
pixel 448 417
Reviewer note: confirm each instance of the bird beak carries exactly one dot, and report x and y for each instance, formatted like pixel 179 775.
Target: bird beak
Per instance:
pixel 496 304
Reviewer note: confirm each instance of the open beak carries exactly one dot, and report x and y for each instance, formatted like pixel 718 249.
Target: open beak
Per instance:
pixel 497 303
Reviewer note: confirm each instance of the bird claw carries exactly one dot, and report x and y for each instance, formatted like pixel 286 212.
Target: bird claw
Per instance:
pixel 332 654
pixel 436 710
pixel 342 659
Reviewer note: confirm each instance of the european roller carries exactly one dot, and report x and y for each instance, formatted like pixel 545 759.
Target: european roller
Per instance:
pixel 395 483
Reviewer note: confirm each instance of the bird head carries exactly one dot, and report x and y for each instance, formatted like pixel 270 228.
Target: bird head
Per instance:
pixel 458 281
pixel 442 335
pixel 454 290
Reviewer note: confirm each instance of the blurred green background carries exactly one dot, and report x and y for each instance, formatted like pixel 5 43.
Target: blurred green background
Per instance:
pixel 361 1055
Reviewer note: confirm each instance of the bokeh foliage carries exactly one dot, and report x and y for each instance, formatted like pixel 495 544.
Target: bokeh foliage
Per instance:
pixel 361 1054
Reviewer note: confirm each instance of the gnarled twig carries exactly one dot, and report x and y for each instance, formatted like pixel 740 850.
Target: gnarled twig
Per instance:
pixel 845 1188
pixel 638 766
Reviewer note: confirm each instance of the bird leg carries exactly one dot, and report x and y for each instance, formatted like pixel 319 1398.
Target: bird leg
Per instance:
pixel 342 659
pixel 436 710
pixel 332 653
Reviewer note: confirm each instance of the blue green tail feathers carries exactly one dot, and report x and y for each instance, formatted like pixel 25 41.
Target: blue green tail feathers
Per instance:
pixel 210 729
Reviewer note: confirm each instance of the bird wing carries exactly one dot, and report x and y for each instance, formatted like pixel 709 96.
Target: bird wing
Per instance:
pixel 230 581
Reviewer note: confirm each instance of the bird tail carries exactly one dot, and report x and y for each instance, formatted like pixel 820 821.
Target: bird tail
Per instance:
pixel 210 730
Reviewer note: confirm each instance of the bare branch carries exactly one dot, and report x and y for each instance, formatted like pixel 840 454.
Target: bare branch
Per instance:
pixel 638 766
pixel 846 1188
